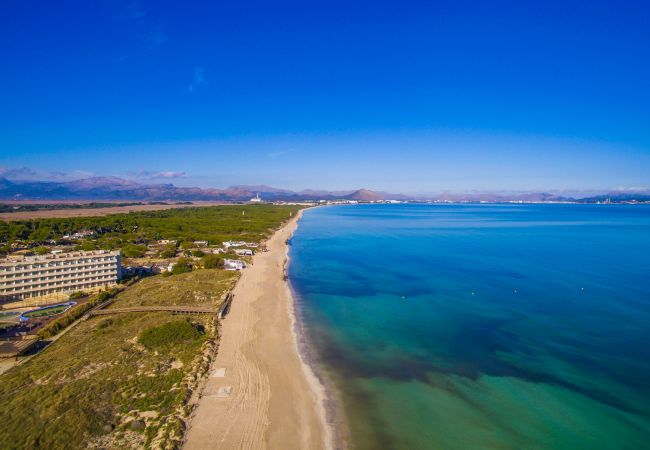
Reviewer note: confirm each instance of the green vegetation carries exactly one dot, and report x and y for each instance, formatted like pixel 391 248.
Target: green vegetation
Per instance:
pixel 41 250
pixel 197 288
pixel 134 251
pixel 120 381
pixel 46 312
pixel 164 337
pixel 104 324
pixel 53 328
pixel 213 261
pixel 76 295
pixel 87 246
pixel 169 251
pixel 214 224
pixel 124 381
pixel 183 265
pixel 5 207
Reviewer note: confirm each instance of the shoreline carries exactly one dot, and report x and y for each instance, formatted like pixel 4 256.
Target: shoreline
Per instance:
pixel 260 392
pixel 333 413
pixel 309 366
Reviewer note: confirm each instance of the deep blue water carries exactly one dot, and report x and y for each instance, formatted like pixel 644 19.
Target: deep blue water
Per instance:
pixel 481 326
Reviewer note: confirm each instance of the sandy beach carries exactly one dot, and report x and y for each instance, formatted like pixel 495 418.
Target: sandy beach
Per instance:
pixel 260 394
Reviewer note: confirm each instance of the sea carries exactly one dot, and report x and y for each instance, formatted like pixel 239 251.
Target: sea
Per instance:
pixel 479 326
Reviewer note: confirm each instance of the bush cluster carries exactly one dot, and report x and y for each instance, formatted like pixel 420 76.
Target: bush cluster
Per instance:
pixel 212 261
pixel 185 225
pixel 52 328
pixel 167 335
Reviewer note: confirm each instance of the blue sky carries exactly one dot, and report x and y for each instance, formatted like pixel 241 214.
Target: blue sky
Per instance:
pixel 399 96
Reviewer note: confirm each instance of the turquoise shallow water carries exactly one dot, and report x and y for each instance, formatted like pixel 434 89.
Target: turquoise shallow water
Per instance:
pixel 481 326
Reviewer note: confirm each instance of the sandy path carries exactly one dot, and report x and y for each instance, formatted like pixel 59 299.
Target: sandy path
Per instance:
pixel 267 397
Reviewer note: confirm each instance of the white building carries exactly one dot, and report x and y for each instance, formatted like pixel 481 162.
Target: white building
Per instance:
pixel 41 275
pixel 243 252
pixel 229 244
pixel 256 199
pixel 79 235
pixel 233 264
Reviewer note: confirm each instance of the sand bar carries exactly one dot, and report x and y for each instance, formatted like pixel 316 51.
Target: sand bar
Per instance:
pixel 260 394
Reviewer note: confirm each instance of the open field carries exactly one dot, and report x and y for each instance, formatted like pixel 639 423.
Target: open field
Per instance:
pixel 116 382
pixel 198 288
pixel 90 212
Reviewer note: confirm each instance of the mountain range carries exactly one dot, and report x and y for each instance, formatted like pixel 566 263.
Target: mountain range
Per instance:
pixel 115 188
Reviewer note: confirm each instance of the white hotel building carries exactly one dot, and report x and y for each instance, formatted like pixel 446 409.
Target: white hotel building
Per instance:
pixel 37 276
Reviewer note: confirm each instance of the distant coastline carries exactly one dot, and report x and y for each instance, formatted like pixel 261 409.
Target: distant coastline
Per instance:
pixel 115 189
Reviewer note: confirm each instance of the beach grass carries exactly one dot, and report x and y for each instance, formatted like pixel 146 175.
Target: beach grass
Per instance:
pixel 120 381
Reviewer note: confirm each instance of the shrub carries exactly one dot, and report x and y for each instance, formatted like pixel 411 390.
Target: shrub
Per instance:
pixel 52 328
pixel 105 323
pixel 169 251
pixel 167 335
pixel 212 261
pixel 88 245
pixel 134 251
pixel 182 266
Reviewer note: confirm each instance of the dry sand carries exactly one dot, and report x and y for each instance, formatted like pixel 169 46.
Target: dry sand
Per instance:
pixel 92 212
pixel 260 394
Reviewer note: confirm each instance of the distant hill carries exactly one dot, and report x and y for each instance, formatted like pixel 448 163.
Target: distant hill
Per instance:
pixel 618 197
pixel 119 189
pixel 114 188
pixel 364 195
pixel 368 195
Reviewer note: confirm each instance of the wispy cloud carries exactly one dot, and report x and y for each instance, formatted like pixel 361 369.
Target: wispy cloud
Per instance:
pixel 198 80
pixel 632 189
pixel 156 38
pixel 76 174
pixel 148 29
pixel 17 173
pixel 157 175
pixel 135 10
pixel 29 174
pixel 280 153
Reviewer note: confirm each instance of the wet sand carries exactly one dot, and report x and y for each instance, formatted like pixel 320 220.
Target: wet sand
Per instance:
pixel 260 393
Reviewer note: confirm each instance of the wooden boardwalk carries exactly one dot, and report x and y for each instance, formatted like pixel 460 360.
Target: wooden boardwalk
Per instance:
pixel 14 347
pixel 180 309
